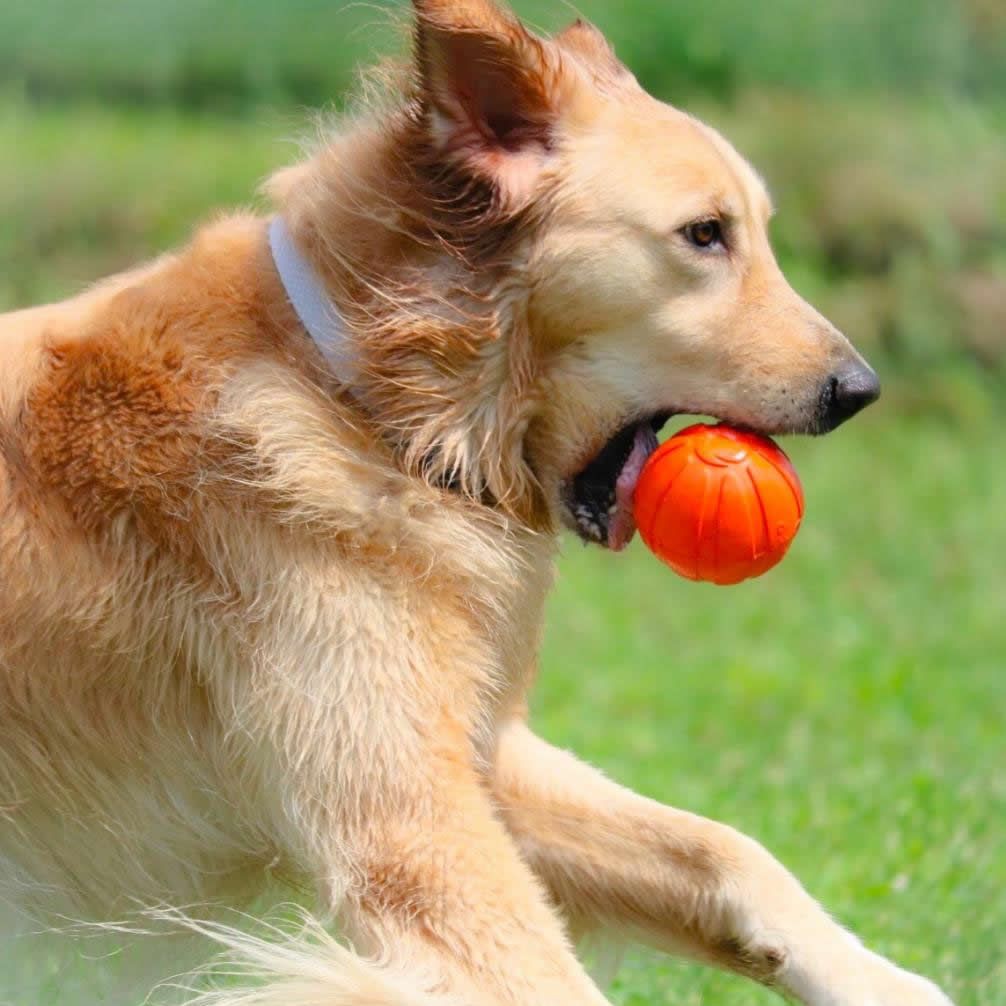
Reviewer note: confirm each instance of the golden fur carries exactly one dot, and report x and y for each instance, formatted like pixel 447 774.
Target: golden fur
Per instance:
pixel 254 623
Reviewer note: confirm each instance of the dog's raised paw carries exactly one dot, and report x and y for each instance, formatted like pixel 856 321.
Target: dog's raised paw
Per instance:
pixel 875 981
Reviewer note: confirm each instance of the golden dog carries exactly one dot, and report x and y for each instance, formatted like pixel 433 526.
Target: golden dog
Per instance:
pixel 269 603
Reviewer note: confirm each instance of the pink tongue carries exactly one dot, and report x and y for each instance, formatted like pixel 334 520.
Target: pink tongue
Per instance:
pixel 622 523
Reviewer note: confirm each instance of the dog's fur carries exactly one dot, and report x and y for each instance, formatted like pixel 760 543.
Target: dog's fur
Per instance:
pixel 254 621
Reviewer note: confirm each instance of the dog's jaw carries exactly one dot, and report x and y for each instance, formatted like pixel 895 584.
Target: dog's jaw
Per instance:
pixel 597 502
pixel 622 526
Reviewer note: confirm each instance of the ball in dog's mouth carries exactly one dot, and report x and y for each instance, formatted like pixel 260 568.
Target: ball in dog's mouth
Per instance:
pixel 598 501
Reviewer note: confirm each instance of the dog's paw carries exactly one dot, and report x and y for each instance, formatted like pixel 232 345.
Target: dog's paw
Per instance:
pixel 891 986
pixel 870 980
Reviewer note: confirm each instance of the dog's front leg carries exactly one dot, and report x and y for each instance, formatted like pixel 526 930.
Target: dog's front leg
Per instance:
pixel 683 883
pixel 441 890
pixel 383 801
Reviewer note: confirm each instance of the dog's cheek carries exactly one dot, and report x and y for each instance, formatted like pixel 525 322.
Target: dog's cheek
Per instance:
pixel 591 282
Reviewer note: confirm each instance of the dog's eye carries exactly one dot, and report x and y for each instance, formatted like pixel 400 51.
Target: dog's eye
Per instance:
pixel 705 233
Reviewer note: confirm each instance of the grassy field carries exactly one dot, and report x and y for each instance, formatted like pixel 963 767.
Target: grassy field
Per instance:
pixel 848 709
pixel 232 54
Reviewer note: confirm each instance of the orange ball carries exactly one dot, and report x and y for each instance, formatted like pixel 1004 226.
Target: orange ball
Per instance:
pixel 718 504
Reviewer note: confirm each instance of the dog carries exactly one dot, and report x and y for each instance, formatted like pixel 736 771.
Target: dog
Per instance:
pixel 278 517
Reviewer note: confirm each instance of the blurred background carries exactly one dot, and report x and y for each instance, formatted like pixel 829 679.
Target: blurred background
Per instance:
pixel 848 709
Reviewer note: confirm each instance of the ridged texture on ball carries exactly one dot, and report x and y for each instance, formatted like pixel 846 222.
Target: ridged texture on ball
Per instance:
pixel 718 504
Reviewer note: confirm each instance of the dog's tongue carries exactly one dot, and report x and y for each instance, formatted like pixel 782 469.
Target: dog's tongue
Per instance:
pixel 622 525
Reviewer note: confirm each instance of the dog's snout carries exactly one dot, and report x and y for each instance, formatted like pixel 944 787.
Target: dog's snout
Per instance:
pixel 845 393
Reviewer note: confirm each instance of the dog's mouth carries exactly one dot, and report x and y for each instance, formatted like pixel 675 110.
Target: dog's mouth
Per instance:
pixel 598 501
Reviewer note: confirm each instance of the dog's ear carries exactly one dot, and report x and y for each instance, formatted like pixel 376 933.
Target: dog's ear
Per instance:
pixel 589 44
pixel 490 93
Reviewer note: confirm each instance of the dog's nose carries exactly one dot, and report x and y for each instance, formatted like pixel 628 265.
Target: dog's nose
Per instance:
pixel 846 393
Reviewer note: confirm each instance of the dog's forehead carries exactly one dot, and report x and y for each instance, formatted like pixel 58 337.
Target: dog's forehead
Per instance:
pixel 758 202
pixel 653 159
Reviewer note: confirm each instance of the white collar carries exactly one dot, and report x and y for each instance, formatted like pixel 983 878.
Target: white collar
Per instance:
pixel 319 316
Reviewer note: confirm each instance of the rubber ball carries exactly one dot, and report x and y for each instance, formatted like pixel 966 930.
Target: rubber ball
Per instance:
pixel 718 504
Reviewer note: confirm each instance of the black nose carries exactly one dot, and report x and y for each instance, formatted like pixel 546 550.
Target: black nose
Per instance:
pixel 846 393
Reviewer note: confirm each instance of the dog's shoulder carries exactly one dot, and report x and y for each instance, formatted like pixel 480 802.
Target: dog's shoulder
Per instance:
pixel 103 396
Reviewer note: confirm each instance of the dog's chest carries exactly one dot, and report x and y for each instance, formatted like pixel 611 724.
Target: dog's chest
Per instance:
pixel 511 637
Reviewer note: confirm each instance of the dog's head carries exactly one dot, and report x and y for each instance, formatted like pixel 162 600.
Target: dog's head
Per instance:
pixel 636 256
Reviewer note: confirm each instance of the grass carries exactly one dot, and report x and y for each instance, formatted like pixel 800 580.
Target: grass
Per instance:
pixel 847 709
pixel 234 54
pixel 89 190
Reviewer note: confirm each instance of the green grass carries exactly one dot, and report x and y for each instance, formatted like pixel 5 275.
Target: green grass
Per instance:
pixel 847 709
pixel 234 54
pixel 87 191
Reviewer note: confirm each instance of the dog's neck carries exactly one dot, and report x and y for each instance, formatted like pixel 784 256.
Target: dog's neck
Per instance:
pixel 316 310
pixel 432 341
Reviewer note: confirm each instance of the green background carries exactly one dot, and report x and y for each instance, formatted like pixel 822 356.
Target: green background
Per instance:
pixel 847 709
